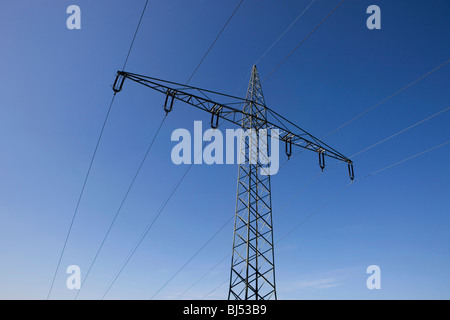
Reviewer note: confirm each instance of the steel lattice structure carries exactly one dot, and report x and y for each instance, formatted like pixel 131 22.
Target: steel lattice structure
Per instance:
pixel 253 262
pixel 252 266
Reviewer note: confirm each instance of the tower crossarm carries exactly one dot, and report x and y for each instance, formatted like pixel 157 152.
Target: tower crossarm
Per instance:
pixel 230 108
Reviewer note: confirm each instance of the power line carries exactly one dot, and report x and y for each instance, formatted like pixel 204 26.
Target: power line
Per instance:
pixel 121 204
pixel 204 245
pixel 357 180
pixel 150 225
pixel 147 229
pixel 135 34
pixel 91 162
pixel 404 160
pixel 303 41
pixel 276 41
pixel 366 149
pixel 215 289
pixel 284 32
pixel 215 40
pixel 400 132
pixel 374 106
pixel 384 100
pixel 192 258
pixel 81 195
pixel 181 179
pixel 334 196
pixel 204 275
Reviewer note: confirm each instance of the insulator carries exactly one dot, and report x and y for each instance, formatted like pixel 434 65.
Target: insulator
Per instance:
pixel 287 138
pixel 118 83
pixel 215 115
pixel 288 146
pixel 168 105
pixel 350 171
pixel 322 160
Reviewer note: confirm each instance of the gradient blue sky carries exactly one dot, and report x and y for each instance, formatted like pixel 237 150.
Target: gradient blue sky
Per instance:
pixel 55 87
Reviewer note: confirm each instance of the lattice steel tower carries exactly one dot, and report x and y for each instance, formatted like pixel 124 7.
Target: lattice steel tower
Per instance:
pixel 252 263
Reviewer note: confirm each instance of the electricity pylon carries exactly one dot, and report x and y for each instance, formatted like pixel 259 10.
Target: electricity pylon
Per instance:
pixel 252 263
pixel 252 266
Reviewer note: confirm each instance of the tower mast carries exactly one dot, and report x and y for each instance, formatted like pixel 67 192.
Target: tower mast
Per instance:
pixel 252 264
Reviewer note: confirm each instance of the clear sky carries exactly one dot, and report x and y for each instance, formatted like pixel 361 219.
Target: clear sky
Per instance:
pixel 55 89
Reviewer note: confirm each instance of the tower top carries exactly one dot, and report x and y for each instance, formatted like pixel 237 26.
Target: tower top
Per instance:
pixel 254 91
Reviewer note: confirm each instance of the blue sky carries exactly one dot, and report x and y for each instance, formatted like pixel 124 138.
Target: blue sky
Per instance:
pixel 55 88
